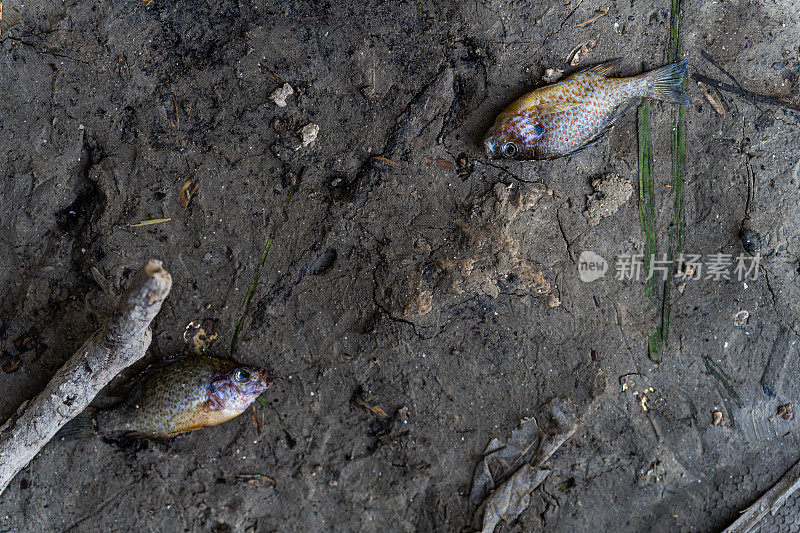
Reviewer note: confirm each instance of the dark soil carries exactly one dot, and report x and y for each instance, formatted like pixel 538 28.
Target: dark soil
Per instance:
pixel 426 283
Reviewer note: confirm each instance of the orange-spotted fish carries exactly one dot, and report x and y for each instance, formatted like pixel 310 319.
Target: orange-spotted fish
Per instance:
pixel 567 116
pixel 185 395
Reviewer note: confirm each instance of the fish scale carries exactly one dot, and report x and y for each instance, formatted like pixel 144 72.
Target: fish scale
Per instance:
pixel 559 119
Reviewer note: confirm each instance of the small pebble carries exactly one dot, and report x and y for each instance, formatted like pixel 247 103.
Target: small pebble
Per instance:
pixel 308 133
pixel 552 74
pixel 280 95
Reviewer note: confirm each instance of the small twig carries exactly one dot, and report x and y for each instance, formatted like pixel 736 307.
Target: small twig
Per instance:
pixel 385 159
pixel 711 60
pixel 119 344
pixel 757 97
pixel 603 13
pixel 770 502
pixel 149 222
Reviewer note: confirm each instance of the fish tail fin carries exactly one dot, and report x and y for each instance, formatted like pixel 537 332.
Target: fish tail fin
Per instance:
pixel 80 427
pixel 666 83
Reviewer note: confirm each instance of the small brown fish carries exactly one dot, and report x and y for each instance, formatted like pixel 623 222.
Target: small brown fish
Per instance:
pixel 565 117
pixel 189 394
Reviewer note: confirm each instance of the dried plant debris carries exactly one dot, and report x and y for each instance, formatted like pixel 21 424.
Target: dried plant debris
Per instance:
pixel 638 389
pixel 580 52
pixel 256 480
pixel 785 411
pixel 713 99
pixel 187 191
pixel 203 334
pixel 101 280
pixel 511 500
pixel 149 222
pixel 11 364
pixel 509 472
pixel 611 193
pixel 602 13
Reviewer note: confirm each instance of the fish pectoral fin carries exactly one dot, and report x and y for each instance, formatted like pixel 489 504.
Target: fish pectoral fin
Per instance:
pixel 604 67
pixel 551 108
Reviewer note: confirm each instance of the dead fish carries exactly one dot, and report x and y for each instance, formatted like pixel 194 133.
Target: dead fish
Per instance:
pixel 565 117
pixel 188 394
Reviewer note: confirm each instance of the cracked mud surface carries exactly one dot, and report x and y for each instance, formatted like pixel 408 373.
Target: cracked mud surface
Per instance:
pixel 427 283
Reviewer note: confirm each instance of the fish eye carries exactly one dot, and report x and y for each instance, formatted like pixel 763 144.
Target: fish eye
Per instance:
pixel 509 149
pixel 538 130
pixel 241 375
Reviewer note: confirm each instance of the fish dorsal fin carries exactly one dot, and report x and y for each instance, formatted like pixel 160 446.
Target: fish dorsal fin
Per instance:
pixel 605 67
pixel 551 108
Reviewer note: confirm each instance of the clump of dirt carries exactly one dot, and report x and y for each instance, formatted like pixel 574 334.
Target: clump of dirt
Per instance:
pixel 484 258
pixel 611 193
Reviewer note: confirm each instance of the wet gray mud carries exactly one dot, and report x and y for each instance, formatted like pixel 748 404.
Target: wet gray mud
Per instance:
pixel 411 306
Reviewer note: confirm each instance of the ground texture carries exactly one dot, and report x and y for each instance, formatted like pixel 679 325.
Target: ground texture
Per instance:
pixel 411 306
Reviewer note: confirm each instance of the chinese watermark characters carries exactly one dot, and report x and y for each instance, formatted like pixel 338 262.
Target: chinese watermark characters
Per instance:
pixel 685 267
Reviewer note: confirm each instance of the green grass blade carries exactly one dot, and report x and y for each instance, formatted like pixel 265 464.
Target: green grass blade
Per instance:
pixel 647 216
pixel 724 379
pixel 252 288
pixel 678 171
pixel 262 400
pixel 250 291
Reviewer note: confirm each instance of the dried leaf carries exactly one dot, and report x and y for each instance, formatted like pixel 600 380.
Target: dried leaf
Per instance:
pixel 580 52
pixel 504 479
pixel 508 502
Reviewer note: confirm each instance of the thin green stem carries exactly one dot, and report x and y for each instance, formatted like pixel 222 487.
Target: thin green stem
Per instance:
pixel 250 291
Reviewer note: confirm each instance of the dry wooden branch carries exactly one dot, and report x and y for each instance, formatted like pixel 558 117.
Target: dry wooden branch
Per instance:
pixel 120 343
pixel 770 502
